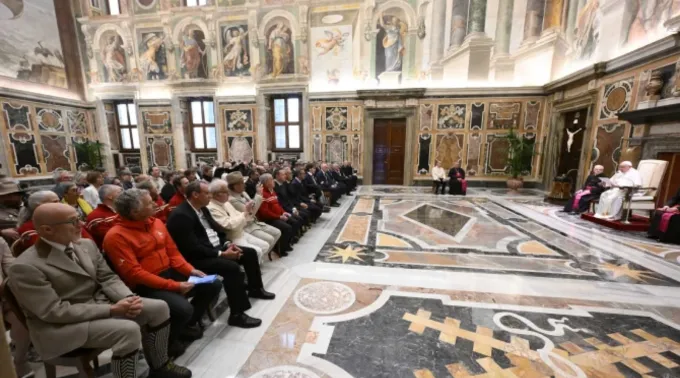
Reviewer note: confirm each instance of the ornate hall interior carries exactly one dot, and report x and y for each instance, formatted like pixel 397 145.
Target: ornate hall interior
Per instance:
pixel 553 127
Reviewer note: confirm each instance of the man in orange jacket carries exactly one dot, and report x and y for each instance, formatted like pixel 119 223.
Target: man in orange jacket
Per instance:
pixel 146 258
pixel 101 219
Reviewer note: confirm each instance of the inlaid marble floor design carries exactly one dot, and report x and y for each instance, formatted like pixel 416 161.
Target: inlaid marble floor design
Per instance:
pixel 398 282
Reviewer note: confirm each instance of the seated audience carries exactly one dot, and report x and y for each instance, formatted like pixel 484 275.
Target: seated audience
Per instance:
pixel 203 243
pixel 591 190
pixel 272 213
pixel 156 177
pixel 72 300
pixel 457 182
pixel 239 199
pixel 26 230
pixel 147 259
pixel 18 333
pixel 611 202
pixel 141 178
pixel 232 220
pixel 60 175
pixel 168 190
pixel 206 173
pixel 68 191
pixel 343 182
pixel 80 179
pixel 326 183
pixel 11 197
pixel 190 174
pixel 125 177
pixel 348 172
pixel 313 187
pixel 299 194
pixel 252 183
pixel 91 193
pixel 666 222
pixel 439 178
pixel 158 203
pixel 180 183
pixel 285 200
pixel 102 219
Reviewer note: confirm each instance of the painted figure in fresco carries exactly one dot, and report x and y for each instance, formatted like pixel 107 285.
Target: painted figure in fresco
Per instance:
pixel 393 42
pixel 193 57
pixel 280 50
pixel 643 18
pixel 149 60
pixel 334 41
pixel 236 59
pixel 113 58
pixel 587 33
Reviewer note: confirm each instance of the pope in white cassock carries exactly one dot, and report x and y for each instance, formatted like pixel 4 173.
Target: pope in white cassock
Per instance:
pixel 611 201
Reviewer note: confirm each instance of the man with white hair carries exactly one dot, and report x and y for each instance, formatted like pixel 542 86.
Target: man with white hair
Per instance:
pixel 611 201
pixel 592 189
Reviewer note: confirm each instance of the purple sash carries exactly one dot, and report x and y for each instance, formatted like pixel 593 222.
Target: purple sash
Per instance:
pixel 578 196
pixel 463 182
pixel 665 221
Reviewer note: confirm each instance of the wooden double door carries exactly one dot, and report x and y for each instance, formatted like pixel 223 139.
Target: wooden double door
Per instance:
pixel 389 145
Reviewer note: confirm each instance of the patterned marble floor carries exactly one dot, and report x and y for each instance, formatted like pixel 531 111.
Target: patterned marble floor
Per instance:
pixel 398 282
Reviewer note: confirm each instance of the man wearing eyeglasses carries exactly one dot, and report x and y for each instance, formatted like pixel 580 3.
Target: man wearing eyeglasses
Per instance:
pixel 73 300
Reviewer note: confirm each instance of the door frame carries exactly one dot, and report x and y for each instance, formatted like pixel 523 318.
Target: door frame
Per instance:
pixel 370 115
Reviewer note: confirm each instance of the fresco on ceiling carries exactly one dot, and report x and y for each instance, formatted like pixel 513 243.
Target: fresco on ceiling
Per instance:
pixel 643 19
pixel 587 31
pixel 332 53
pixel 194 58
pixel 391 42
pixel 236 59
pixel 113 58
pixel 280 52
pixel 152 58
pixel 30 48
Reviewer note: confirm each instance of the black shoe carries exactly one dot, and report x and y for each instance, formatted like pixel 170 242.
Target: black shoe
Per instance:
pixel 284 253
pixel 170 370
pixel 191 333
pixel 176 349
pixel 261 294
pixel 326 209
pixel 335 205
pixel 243 321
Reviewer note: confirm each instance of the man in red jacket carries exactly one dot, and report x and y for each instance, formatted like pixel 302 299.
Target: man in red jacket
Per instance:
pixel 100 220
pixel 146 258
pixel 158 203
pixel 272 213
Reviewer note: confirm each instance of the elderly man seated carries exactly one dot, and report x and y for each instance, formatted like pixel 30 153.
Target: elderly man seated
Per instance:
pixel 101 219
pixel 273 214
pixel 611 201
pixel 591 190
pixel 147 259
pixel 203 242
pixel 232 220
pixel 72 300
pixel 240 200
pixel 439 178
pixel 158 204
pixel 666 221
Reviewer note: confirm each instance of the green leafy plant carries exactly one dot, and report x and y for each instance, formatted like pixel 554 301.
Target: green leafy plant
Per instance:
pixel 520 154
pixel 89 154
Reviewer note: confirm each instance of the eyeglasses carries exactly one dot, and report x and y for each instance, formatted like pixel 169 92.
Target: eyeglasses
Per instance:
pixel 72 221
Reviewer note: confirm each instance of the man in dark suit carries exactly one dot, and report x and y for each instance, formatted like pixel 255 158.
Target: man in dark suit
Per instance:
pixel 299 192
pixel 203 243
pixel 286 201
pixel 252 182
pixel 326 182
pixel 313 188
pixel 343 182
pixel 348 171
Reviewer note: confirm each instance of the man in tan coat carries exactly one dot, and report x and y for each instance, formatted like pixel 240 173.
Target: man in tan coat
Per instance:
pixel 73 300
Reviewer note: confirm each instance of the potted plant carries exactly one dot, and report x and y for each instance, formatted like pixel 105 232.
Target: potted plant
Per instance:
pixel 89 154
pixel 521 151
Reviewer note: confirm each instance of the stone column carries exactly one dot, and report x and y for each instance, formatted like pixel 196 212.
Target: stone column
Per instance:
pixel 477 20
pixel 533 23
pixel 103 136
pixel 178 134
pixel 437 37
pixel 459 22
pixel 572 14
pixel 503 27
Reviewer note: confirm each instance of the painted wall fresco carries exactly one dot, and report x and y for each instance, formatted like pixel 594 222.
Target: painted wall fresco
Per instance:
pixel 30 48
pixel 39 138
pixel 337 132
pixel 644 19
pixel 239 132
pixel 280 52
pixel 153 60
pixel 390 42
pixel 235 50
pixel 113 58
pixel 193 56
pixel 332 53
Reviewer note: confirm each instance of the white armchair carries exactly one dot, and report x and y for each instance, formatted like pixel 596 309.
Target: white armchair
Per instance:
pixel 644 199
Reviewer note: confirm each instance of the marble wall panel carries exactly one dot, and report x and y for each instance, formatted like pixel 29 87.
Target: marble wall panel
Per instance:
pixel 497 152
pixel 50 120
pixel 336 148
pixel 77 122
pixel 451 116
pixel 616 98
pixel 532 115
pixel 56 152
pixel 239 120
pixel 357 152
pixel 474 153
pixel 504 115
pixel 337 132
pixel 426 116
pixel 477 116
pixel 132 161
pixel 241 148
pixel 160 152
pixel 24 154
pixel 157 121
pixel 424 142
pixel 206 158
pixel 316 117
pixel 357 117
pixel 607 149
pixel 336 118
pixel 449 149
pixel 317 154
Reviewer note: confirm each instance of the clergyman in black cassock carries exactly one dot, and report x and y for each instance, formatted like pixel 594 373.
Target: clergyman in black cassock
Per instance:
pixel 591 190
pixel 666 221
pixel 457 183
